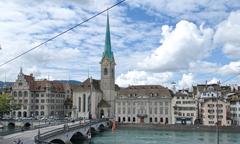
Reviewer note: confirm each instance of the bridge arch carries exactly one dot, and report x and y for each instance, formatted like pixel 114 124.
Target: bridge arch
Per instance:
pixel 27 125
pixel 76 137
pixel 11 124
pixel 101 127
pixel 57 141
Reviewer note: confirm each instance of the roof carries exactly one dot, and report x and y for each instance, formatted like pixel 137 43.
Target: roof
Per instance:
pixel 85 86
pixel 145 90
pixel 108 50
pixel 204 88
pixel 41 85
pixel 103 104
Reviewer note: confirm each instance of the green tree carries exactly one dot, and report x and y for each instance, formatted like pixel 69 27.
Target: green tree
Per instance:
pixel 7 104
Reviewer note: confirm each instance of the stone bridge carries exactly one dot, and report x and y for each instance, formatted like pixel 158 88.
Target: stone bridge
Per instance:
pixel 68 134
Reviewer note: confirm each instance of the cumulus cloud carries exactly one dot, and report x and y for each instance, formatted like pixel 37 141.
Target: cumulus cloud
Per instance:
pixel 142 78
pixel 179 47
pixel 213 81
pixel 186 81
pixel 231 68
pixel 228 35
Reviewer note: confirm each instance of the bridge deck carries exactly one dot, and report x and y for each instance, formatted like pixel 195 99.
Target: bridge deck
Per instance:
pixel 27 137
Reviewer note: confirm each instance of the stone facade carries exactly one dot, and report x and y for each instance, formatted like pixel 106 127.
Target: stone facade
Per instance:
pixel 38 98
pixel 144 104
pixel 184 108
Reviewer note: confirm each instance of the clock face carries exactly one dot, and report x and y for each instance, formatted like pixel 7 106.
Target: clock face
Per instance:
pixel 105 62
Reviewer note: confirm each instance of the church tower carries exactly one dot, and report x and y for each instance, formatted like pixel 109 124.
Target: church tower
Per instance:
pixel 108 73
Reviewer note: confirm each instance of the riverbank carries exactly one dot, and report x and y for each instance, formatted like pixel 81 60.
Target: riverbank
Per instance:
pixel 172 127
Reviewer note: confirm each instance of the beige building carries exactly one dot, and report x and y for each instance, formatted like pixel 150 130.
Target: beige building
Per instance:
pixel 214 111
pixel 184 108
pixel 39 98
pixel 144 104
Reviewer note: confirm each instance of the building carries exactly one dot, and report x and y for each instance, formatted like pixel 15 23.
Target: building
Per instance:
pixel 215 110
pixel 96 98
pixel 38 98
pixel 234 101
pixel 184 108
pixel 206 92
pixel 144 104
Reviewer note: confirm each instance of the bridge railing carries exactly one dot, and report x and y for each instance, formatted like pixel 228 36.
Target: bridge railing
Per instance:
pixel 43 136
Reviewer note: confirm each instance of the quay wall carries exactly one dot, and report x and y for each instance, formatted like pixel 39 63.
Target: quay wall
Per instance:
pixel 174 127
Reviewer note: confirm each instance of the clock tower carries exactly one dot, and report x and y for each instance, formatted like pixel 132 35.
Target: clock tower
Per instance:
pixel 108 74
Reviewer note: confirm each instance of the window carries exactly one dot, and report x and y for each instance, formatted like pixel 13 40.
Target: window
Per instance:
pixel 166 111
pixel 161 119
pixel 42 101
pixel 20 94
pixel 20 84
pixel 150 110
pixel 134 119
pixel 123 119
pixel 25 93
pixel 123 110
pixel 79 104
pixel 42 106
pixel 105 71
pixel 150 119
pixel 134 110
pixel 84 103
pixel 119 110
pixel 156 119
pixel 129 119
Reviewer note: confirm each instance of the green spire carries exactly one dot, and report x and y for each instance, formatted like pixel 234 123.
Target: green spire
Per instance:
pixel 107 50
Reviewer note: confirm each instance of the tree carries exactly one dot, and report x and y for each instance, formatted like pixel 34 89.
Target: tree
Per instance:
pixel 7 104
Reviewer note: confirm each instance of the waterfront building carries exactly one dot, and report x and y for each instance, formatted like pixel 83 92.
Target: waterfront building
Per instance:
pixel 215 111
pixel 38 98
pixel 184 108
pixel 96 98
pixel 144 104
pixel 206 92
pixel 234 101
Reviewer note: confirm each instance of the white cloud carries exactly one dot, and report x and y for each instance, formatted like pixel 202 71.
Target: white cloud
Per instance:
pixel 213 81
pixel 180 46
pixel 142 78
pixel 186 81
pixel 228 35
pixel 211 11
pixel 231 68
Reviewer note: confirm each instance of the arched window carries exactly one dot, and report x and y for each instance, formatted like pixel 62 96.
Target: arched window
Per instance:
pixel 105 71
pixel 15 93
pixel 84 102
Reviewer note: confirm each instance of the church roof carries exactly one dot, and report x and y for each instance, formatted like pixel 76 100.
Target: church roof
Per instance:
pixel 86 85
pixel 103 104
pixel 108 50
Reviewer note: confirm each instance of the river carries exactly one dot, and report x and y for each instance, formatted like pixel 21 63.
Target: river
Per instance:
pixel 149 136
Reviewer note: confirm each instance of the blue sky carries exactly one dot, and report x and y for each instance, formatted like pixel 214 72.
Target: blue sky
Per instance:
pixel 154 41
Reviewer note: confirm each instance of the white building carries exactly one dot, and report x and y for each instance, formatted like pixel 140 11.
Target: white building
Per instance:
pixel 144 104
pixel 235 108
pixel 184 108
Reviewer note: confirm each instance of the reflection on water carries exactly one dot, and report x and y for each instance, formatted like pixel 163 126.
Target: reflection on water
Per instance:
pixel 147 136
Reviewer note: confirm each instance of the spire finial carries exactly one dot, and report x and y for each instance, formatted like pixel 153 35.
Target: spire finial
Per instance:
pixel 21 72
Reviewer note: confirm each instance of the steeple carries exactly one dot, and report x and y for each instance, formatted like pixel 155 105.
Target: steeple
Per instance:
pixel 21 72
pixel 108 50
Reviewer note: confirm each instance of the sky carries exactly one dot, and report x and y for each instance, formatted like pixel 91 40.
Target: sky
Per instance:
pixel 188 42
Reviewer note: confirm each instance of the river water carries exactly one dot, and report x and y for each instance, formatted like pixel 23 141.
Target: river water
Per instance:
pixel 149 136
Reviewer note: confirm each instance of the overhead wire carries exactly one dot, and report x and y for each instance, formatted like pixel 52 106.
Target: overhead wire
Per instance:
pixel 65 31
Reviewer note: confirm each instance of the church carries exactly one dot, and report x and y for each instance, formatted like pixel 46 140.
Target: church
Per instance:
pixel 96 98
